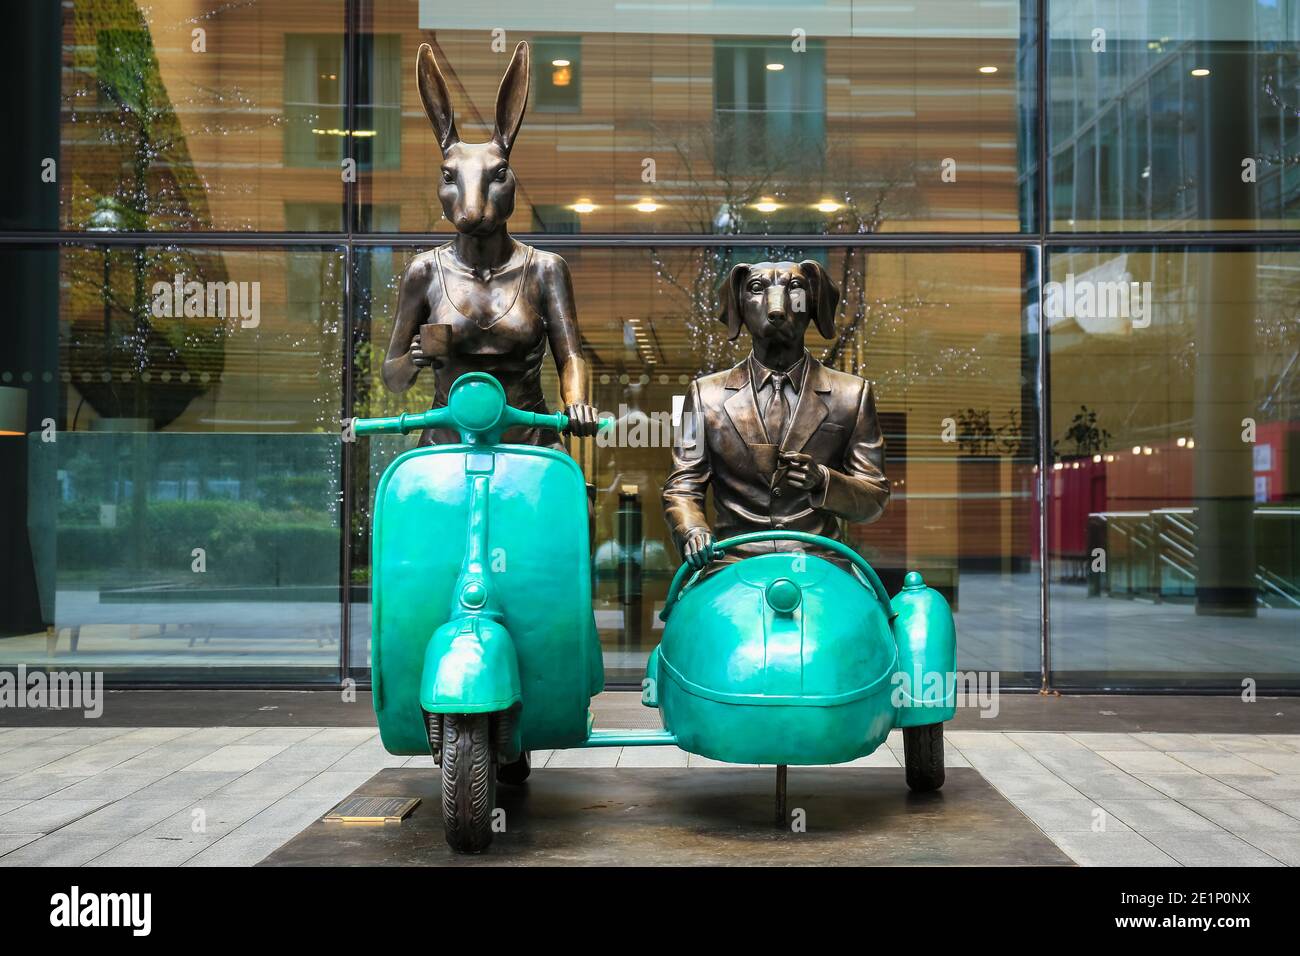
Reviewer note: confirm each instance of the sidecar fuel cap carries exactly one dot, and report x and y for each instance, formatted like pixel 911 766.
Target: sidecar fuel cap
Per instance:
pixel 783 595
pixel 913 581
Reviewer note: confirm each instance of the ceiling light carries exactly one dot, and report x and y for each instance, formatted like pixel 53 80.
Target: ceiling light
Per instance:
pixel 767 204
pixel 776 67
pixel 988 69
pixel 828 205
pixel 1200 71
pixel 583 206
pixel 646 205
pixel 560 62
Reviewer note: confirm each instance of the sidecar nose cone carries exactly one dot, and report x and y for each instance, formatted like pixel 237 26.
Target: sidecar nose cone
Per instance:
pixel 783 595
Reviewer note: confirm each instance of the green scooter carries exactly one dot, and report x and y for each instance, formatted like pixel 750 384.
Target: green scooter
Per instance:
pixel 484 644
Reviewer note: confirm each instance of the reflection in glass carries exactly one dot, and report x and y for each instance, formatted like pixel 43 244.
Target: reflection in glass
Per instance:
pixel 1174 114
pixel 195 123
pixel 646 120
pixel 942 337
pixel 1174 492
pixel 175 476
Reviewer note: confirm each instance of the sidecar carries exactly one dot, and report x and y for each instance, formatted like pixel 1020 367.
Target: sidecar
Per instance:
pixel 786 658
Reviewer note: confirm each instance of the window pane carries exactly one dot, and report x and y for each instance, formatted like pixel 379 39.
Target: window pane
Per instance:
pixel 174 459
pixel 1175 489
pixel 744 117
pixel 171 118
pixel 1174 114
pixel 943 337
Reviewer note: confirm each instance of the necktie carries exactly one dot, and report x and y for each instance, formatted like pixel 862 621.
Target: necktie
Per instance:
pixel 778 409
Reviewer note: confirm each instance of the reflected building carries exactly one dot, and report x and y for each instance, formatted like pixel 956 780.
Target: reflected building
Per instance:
pixel 198 518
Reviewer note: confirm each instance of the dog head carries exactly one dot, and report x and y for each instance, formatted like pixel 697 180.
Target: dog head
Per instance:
pixel 476 184
pixel 776 300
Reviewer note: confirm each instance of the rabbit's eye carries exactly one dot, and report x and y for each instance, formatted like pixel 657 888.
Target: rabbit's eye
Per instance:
pixel 501 174
pixel 448 177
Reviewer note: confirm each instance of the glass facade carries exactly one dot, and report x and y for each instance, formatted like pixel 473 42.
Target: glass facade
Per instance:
pixel 1088 380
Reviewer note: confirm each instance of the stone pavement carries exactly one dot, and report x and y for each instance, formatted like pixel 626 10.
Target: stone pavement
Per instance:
pixel 173 796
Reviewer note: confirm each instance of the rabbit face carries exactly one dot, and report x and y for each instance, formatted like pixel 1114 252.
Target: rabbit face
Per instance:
pixel 476 185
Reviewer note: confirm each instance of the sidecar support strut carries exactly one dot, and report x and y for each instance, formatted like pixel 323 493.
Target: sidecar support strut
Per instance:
pixel 780 795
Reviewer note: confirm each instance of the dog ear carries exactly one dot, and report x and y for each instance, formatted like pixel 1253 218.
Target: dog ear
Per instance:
pixel 729 296
pixel 825 297
pixel 437 101
pixel 512 99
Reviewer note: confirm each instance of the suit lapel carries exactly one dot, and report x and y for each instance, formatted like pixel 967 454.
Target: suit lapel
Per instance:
pixel 811 410
pixel 741 407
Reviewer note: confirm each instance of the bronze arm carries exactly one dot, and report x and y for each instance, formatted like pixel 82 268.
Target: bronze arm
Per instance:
pixel 687 484
pixel 566 344
pixel 400 369
pixel 860 491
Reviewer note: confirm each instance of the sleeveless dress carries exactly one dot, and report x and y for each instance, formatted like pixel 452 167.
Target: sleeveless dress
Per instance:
pixel 511 346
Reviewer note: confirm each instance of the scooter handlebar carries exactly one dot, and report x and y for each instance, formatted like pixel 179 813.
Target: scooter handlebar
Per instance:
pixel 441 417
pixel 685 572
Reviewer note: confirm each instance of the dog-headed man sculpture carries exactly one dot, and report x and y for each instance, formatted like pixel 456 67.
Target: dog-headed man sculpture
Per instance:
pixel 785 442
pixel 484 301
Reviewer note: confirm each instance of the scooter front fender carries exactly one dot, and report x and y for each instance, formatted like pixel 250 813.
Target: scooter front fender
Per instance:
pixel 470 667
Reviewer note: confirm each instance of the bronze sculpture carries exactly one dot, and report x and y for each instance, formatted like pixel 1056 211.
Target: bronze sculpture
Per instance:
pixel 484 301
pixel 784 442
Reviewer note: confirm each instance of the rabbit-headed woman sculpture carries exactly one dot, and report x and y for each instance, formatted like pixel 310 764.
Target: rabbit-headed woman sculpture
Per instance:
pixel 484 301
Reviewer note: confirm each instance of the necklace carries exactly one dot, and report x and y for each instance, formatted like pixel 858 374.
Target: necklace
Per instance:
pixel 469 273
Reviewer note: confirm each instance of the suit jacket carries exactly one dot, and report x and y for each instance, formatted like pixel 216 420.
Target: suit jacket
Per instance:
pixel 723 445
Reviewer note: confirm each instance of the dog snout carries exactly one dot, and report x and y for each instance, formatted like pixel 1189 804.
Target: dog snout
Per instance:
pixel 776 302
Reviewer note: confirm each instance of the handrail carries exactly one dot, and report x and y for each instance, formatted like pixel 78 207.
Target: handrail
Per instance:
pixel 719 548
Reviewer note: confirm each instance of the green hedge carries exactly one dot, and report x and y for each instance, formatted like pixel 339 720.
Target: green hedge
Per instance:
pixel 244 544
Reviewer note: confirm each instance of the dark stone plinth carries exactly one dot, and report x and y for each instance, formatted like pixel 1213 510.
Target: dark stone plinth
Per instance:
pixel 652 817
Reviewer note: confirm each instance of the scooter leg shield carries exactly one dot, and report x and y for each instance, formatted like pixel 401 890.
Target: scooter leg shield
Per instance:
pixel 470 667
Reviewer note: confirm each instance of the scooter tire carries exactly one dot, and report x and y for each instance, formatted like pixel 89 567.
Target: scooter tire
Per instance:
pixel 923 757
pixel 517 771
pixel 468 781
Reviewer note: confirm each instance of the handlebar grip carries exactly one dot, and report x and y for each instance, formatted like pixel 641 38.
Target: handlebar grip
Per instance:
pixel 401 424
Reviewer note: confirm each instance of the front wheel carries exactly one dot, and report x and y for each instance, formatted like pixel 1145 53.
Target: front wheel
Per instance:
pixel 468 781
pixel 923 757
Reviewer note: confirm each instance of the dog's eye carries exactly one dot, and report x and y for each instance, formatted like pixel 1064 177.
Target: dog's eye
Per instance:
pixel 756 287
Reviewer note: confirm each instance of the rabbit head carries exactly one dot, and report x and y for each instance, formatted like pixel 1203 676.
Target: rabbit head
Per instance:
pixel 476 185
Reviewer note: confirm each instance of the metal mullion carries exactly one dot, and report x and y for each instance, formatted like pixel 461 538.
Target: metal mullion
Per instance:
pixel 1043 199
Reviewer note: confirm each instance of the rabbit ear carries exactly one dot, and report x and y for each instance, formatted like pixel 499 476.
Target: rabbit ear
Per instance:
pixel 730 296
pixel 512 99
pixel 825 297
pixel 437 101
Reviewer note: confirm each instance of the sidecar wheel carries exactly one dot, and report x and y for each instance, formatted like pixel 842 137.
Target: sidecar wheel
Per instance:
pixel 469 787
pixel 923 757
pixel 517 771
